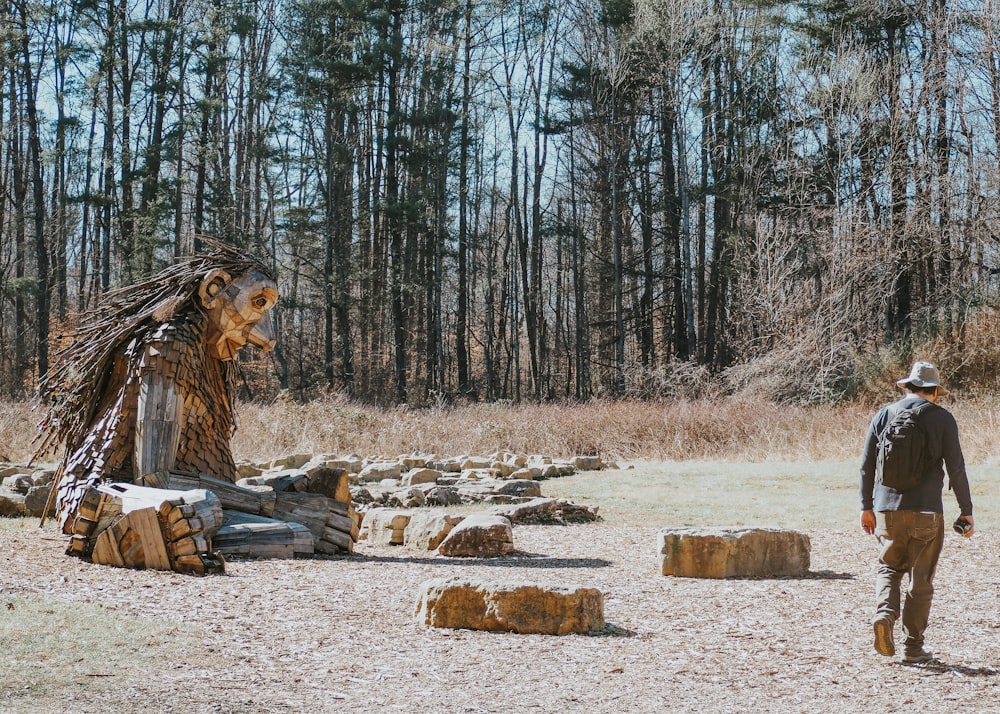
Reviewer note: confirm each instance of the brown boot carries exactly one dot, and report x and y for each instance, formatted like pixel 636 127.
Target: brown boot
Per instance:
pixel 884 643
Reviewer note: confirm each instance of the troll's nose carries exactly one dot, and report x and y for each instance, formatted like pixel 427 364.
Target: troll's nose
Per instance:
pixel 262 333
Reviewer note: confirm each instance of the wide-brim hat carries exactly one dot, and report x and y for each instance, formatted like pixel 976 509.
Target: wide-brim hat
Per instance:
pixel 924 375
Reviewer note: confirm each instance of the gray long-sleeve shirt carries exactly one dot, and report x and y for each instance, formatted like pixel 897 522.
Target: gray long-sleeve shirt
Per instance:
pixel 944 448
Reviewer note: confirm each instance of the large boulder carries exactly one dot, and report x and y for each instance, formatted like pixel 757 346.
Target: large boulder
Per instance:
pixel 733 552
pixel 481 535
pixel 510 607
pixel 427 528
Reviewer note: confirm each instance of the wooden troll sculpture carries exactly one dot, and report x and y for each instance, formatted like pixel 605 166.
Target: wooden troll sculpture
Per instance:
pixel 145 389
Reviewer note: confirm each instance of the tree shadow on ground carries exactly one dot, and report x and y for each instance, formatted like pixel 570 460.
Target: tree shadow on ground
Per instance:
pixel 828 575
pixel 518 559
pixel 811 575
pixel 610 630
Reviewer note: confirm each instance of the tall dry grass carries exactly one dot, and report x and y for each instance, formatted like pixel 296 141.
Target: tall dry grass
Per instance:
pixel 730 429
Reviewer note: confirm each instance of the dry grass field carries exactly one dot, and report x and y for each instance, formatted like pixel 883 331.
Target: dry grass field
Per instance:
pixel 734 429
pixel 335 634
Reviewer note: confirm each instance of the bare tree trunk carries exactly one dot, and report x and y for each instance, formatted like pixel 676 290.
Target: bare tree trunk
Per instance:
pixel 38 201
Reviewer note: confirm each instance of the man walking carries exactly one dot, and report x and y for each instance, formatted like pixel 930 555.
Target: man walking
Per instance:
pixel 908 520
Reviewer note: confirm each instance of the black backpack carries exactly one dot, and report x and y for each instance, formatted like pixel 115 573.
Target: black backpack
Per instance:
pixel 902 455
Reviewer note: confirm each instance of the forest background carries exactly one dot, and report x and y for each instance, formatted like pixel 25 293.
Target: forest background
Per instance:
pixel 485 200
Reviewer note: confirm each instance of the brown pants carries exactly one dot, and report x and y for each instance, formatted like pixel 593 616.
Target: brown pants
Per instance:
pixel 911 543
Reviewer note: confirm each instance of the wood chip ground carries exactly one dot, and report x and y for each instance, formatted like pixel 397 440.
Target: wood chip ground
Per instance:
pixel 339 633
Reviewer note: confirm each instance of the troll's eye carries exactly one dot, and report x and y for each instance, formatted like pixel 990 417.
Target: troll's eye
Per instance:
pixel 260 302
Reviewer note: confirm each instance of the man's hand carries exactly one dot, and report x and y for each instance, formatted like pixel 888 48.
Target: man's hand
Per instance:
pixel 868 522
pixel 968 519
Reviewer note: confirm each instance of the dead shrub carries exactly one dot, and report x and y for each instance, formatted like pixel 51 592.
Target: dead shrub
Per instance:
pixel 678 379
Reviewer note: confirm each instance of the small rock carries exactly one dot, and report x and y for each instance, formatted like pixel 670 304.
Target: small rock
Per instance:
pixel 587 463
pixel 292 461
pixel 361 495
pixel 413 462
pixel 502 469
pixel 246 469
pixel 481 535
pixel 564 469
pixel 550 471
pixel 380 471
pixel 408 498
pixel 420 475
pixel 43 477
pixel 475 463
pixel 442 496
pixel 520 487
pixel 18 483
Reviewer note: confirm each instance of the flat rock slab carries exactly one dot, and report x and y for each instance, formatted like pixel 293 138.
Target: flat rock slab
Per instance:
pixel 546 510
pixel 733 552
pixel 510 607
pixel 480 535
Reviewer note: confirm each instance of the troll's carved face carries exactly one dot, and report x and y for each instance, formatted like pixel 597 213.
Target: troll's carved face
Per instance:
pixel 238 311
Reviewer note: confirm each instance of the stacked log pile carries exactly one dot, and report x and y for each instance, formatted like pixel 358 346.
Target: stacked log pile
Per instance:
pixel 317 498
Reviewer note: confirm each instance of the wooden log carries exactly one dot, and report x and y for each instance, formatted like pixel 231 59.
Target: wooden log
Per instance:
pixel 230 495
pixel 309 509
pixel 341 508
pixel 196 543
pixel 330 482
pixel 304 542
pixel 342 542
pixel 260 537
pixel 344 524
